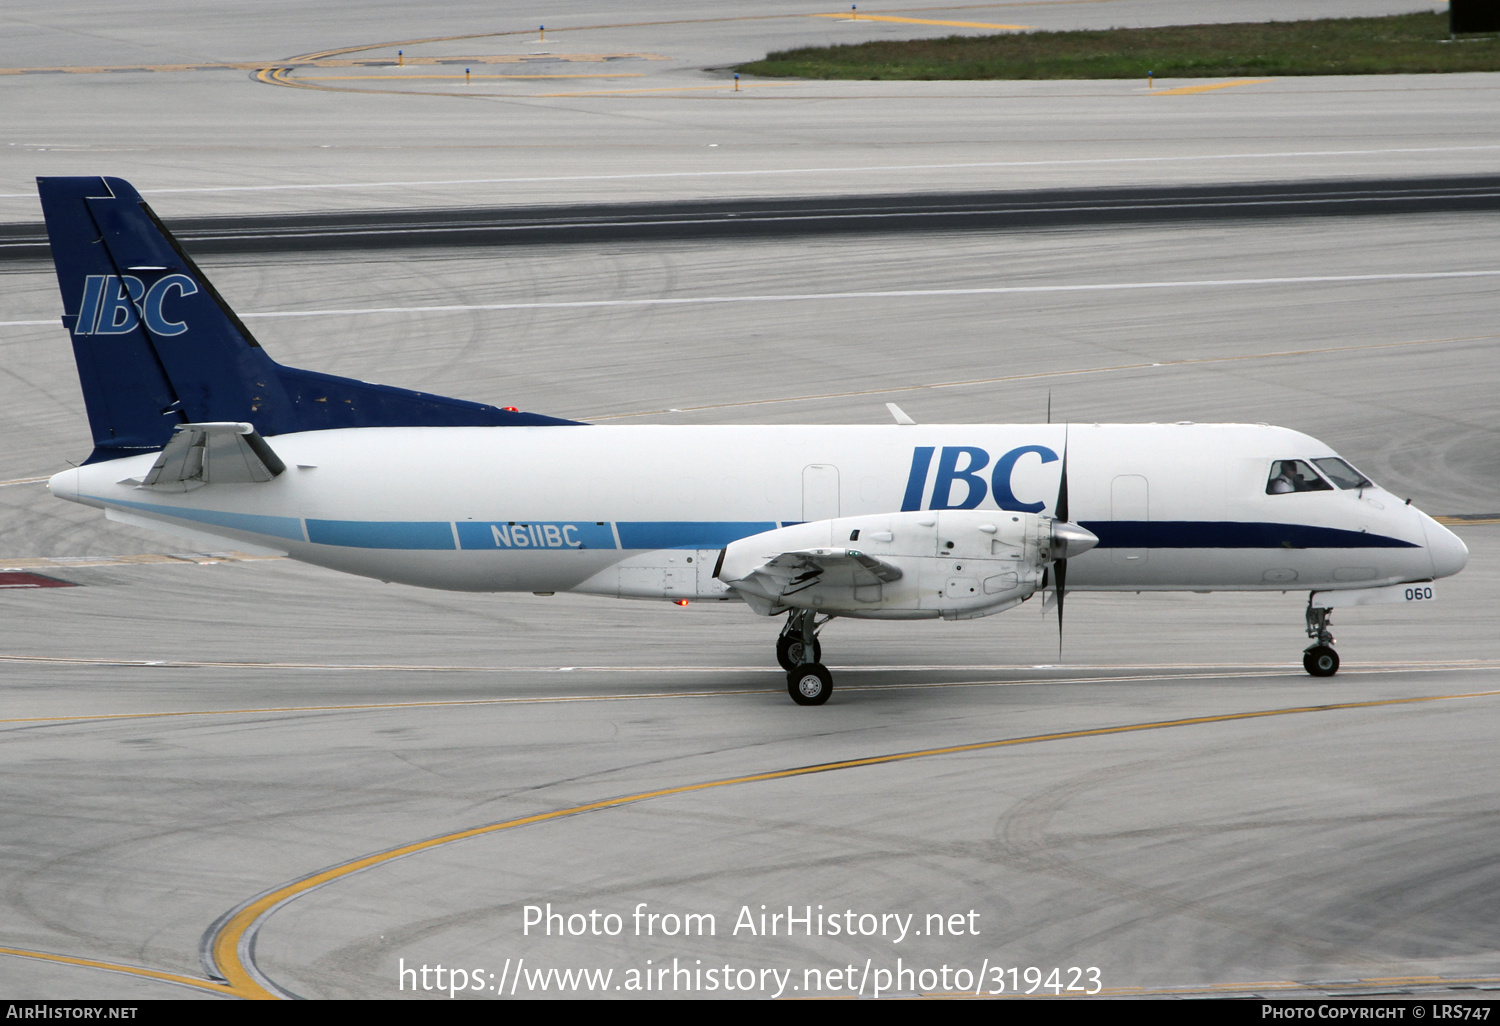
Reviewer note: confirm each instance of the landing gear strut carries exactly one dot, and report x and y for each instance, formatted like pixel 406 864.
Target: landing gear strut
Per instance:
pixel 1319 658
pixel 790 648
pixel 798 651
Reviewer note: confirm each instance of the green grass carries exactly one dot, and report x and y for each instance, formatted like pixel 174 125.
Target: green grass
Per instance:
pixel 1400 44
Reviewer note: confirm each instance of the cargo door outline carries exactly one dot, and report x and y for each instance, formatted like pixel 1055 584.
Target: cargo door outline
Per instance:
pixel 820 492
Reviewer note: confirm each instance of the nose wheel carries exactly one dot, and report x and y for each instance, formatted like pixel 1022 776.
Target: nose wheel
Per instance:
pixel 1319 658
pixel 1320 661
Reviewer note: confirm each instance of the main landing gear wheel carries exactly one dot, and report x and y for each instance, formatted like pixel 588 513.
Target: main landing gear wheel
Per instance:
pixel 791 652
pixel 809 684
pixel 1320 661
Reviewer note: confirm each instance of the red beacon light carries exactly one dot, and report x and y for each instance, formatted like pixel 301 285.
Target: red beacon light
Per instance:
pixel 510 409
pixel 681 602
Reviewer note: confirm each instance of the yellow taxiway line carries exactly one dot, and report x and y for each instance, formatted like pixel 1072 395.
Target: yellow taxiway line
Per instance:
pixel 230 944
pixel 128 970
pixel 393 44
pixel 464 78
pixel 282 77
pixel 727 86
pixel 11 563
pixel 844 16
pixel 1185 90
pixel 316 62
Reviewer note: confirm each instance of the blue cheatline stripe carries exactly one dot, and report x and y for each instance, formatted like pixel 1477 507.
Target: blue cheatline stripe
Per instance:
pixel 715 534
pixel 687 534
pixel 1232 534
pixel 535 534
pixel 382 534
pixel 255 523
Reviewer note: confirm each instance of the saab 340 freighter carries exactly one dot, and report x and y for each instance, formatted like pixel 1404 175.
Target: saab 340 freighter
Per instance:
pixel 198 432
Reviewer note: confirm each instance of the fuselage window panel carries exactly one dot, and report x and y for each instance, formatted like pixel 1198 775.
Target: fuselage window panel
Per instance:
pixel 1294 476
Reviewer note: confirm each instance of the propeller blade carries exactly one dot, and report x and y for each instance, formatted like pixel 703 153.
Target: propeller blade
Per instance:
pixel 1062 578
pixel 1060 511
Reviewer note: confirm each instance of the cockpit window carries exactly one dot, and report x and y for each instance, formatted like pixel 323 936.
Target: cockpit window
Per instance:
pixel 1341 474
pixel 1294 476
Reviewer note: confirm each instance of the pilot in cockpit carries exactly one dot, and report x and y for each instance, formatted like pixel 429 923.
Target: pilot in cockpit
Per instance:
pixel 1293 476
pixel 1283 478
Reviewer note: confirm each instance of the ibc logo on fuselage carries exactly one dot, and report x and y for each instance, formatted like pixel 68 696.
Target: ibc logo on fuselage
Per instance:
pixel 975 488
pixel 114 304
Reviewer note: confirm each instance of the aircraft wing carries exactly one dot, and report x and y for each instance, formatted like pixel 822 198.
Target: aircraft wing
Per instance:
pixel 230 452
pixel 791 572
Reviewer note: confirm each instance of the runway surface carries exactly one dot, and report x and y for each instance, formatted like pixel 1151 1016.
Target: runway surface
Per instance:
pixel 239 777
pixel 749 219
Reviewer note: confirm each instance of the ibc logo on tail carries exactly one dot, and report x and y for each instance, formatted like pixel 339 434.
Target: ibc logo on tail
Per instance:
pixel 115 304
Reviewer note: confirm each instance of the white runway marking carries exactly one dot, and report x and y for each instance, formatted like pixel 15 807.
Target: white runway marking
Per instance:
pixel 1197 670
pixel 795 297
pixel 1245 673
pixel 866 169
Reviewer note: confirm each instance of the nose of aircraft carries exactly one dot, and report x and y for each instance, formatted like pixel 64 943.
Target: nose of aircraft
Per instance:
pixel 1449 553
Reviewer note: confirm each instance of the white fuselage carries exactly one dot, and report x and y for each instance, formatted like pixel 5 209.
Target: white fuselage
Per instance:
pixel 643 511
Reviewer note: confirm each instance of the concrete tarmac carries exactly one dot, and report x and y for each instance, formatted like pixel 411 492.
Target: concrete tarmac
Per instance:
pixel 202 139
pixel 1170 800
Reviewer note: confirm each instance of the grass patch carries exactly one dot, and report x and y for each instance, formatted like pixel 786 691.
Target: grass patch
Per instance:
pixel 1399 44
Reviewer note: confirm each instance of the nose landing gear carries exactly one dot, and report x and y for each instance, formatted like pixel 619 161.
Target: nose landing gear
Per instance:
pixel 798 651
pixel 1319 658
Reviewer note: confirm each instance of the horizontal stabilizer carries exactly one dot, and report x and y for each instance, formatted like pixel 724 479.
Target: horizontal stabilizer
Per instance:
pixel 230 452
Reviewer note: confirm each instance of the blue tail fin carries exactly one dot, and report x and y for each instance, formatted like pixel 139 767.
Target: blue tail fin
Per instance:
pixel 156 346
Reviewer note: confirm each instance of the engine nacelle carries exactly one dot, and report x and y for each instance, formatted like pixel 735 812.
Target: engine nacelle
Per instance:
pixel 924 564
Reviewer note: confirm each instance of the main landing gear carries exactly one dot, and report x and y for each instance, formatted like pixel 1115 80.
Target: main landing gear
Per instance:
pixel 798 651
pixel 1319 658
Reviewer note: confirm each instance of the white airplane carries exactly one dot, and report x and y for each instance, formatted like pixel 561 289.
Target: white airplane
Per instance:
pixel 197 432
